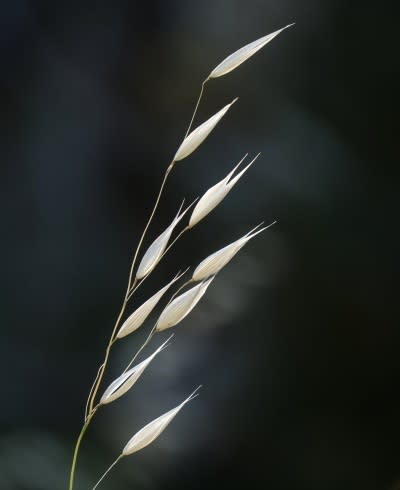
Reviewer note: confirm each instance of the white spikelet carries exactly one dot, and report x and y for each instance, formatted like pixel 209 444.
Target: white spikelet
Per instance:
pixel 242 54
pixel 151 431
pixel 198 135
pixel 124 382
pixel 216 194
pixel 216 261
pixel 138 317
pixel 181 306
pixel 157 248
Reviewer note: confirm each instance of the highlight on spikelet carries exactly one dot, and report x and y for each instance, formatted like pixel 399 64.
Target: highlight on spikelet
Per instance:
pixel 212 264
pixel 181 306
pixel 155 251
pixel 124 383
pixel 216 194
pixel 198 135
pixel 152 430
pixel 241 55
pixel 138 317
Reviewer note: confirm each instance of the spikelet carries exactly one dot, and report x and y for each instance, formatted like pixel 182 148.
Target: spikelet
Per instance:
pixel 181 306
pixel 157 248
pixel 216 261
pixel 242 54
pixel 216 194
pixel 151 431
pixel 137 318
pixel 124 382
pixel 198 135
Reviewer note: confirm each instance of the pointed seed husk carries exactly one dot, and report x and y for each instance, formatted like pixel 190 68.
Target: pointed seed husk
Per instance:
pixel 198 135
pixel 238 57
pixel 181 306
pixel 151 431
pixel 216 194
pixel 156 249
pixel 124 382
pixel 137 318
pixel 212 264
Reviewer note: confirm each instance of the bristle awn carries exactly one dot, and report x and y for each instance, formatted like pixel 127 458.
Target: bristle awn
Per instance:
pixel 234 180
pixel 216 194
pixel 108 471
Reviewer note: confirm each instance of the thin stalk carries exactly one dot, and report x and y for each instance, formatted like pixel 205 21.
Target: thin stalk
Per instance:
pixel 130 288
pixel 77 446
pixel 108 471
pixel 131 285
pixel 106 357
pixel 153 330
pixel 133 290
pixel 149 337
pixel 175 240
pixel 90 409
pixel 91 391
pixel 167 172
pixel 196 107
pixel 179 289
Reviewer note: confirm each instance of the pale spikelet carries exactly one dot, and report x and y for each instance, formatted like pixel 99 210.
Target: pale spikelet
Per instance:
pixel 181 306
pixel 198 135
pixel 216 261
pixel 157 248
pixel 152 430
pixel 136 319
pixel 216 194
pixel 242 54
pixel 124 382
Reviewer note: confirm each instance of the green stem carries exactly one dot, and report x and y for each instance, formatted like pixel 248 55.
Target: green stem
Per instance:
pixel 77 446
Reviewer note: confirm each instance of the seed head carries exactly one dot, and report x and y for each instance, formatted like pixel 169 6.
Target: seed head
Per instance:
pixel 181 306
pixel 124 382
pixel 216 261
pixel 157 248
pixel 216 194
pixel 137 318
pixel 198 135
pixel 242 54
pixel 151 431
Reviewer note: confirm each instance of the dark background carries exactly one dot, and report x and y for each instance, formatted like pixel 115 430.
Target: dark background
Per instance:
pixel 295 341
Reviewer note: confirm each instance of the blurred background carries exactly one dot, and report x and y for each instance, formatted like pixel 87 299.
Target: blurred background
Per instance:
pixel 295 341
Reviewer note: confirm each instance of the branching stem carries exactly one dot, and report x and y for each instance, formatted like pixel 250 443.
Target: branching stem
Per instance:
pixel 133 284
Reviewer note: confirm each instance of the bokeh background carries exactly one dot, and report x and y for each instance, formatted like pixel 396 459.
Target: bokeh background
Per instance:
pixel 295 342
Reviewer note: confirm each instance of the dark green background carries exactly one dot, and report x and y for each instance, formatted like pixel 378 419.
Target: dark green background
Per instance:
pixel 295 343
